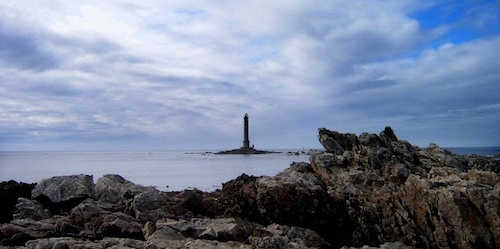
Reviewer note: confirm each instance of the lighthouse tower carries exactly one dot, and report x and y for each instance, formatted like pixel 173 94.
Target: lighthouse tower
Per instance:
pixel 246 141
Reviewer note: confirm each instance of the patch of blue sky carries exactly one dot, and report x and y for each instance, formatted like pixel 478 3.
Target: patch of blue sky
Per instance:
pixel 445 13
pixel 262 49
pixel 460 21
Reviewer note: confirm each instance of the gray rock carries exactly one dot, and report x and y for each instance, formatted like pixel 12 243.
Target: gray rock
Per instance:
pixel 17 232
pixel 90 219
pixel 63 192
pixel 226 229
pixel 151 206
pixel 116 193
pixel 74 243
pixel 30 209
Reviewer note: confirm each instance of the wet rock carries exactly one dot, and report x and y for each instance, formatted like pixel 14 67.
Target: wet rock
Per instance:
pixel 61 193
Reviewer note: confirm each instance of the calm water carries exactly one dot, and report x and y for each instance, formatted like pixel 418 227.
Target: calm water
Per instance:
pixel 166 170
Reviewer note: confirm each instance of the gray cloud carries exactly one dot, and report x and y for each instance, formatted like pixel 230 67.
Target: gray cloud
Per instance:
pixel 112 74
pixel 26 51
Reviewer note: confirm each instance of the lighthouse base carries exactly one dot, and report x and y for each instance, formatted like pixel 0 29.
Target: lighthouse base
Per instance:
pixel 245 151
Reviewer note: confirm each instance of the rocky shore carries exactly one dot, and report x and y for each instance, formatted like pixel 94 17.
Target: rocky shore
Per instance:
pixel 371 190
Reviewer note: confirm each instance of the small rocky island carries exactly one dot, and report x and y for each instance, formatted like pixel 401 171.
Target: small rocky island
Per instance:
pixel 246 149
pixel 366 191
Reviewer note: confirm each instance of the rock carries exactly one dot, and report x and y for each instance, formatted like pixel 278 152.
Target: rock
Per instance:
pixel 238 198
pixel 151 206
pixel 61 193
pixel 331 141
pixel 296 196
pixel 9 193
pixel 227 229
pixel 30 209
pixel 65 242
pixel 88 219
pixel 282 236
pixel 189 202
pixel 388 135
pixel 17 232
pixel 426 198
pixel 121 225
pixel 116 193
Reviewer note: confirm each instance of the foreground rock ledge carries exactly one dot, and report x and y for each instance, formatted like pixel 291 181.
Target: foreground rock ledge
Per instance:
pixel 367 190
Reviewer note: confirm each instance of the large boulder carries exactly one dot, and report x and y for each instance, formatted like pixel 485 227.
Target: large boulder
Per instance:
pixel 61 193
pixel 116 192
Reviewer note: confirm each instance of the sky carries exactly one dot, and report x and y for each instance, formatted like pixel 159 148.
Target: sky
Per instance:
pixel 157 75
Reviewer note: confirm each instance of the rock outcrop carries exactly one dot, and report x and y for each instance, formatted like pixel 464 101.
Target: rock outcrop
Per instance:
pixel 370 191
pixel 9 193
pixel 61 193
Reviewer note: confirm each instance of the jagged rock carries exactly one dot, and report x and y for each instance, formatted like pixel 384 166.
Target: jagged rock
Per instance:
pixel 189 201
pixel 9 193
pixel 283 236
pixel 89 219
pixel 297 196
pixel 238 198
pixel 116 193
pixel 427 197
pixel 30 209
pixel 336 142
pixel 17 232
pixel 61 193
pixel 387 245
pixel 226 229
pixel 151 206
pixel 195 244
pixel 74 243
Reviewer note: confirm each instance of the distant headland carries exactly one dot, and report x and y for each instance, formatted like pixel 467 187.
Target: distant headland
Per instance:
pixel 246 149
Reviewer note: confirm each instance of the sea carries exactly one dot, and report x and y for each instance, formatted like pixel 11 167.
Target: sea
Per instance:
pixel 165 170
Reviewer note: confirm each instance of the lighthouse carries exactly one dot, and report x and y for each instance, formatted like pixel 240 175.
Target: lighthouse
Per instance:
pixel 245 149
pixel 246 141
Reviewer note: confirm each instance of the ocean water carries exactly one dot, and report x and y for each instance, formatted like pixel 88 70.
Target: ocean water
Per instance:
pixel 482 151
pixel 165 170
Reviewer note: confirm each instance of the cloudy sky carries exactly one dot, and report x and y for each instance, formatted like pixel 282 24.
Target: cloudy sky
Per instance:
pixel 114 75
